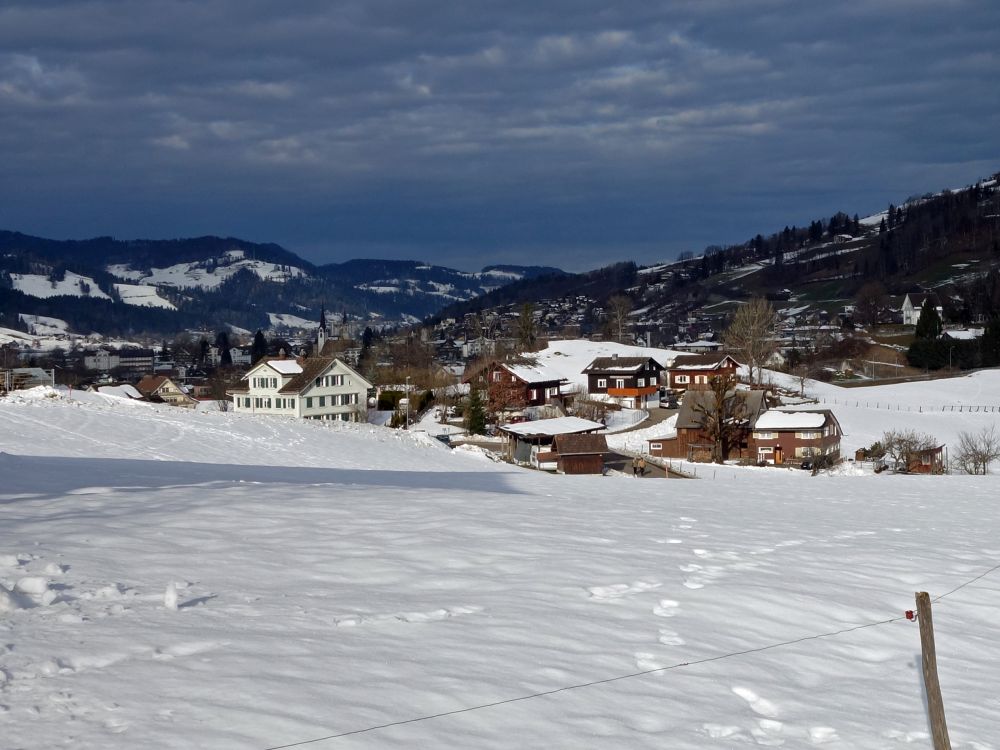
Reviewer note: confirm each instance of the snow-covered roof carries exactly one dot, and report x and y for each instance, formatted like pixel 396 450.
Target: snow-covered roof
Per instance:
pixel 531 373
pixel 121 391
pixel 965 334
pixel 790 420
pixel 552 427
pixel 285 366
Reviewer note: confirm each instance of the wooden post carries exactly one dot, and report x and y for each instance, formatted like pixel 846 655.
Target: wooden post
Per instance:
pixel 928 657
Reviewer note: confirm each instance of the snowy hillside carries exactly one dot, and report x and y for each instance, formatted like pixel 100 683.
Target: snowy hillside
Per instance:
pixel 142 295
pixel 73 285
pixel 209 580
pixel 205 275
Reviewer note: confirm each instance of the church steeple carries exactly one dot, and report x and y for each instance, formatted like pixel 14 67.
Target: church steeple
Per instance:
pixel 321 332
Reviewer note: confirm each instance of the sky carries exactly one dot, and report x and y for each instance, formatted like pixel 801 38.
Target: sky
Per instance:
pixel 560 133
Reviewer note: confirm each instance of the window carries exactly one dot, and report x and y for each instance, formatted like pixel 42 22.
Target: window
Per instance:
pixel 805 452
pixel 655 447
pixel 681 379
pixel 496 376
pixel 322 401
pixel 619 382
pixel 764 435
pixel 256 402
pixel 534 393
pixel 309 402
pixel 641 383
pixel 291 403
pixel 809 435
pixel 246 402
pixel 602 382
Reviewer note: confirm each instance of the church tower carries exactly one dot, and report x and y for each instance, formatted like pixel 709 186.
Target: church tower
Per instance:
pixel 321 332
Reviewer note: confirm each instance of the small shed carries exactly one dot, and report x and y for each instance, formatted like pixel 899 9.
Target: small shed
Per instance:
pixel 926 461
pixel 580 454
pixel 531 442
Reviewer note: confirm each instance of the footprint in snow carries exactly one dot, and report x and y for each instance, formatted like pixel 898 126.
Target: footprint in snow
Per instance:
pixel 666 608
pixel 758 705
pixel 618 590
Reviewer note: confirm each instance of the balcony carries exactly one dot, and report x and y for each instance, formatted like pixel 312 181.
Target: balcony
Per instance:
pixel 648 390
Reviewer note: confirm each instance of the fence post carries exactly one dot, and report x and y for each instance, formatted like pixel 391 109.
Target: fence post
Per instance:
pixel 928 659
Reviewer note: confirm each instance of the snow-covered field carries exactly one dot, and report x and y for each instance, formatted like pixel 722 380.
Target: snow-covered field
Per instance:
pixel 143 296
pixel 35 285
pixel 215 580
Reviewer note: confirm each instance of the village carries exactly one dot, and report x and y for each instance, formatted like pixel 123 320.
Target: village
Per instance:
pixel 493 383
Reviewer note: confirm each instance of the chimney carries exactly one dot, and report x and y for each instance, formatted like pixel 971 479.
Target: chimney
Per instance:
pixel 614 356
pixel 281 353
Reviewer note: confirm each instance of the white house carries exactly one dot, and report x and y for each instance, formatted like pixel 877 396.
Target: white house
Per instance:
pixel 913 304
pixel 313 388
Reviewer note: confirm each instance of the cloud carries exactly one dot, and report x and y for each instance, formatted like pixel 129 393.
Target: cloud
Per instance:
pixel 588 129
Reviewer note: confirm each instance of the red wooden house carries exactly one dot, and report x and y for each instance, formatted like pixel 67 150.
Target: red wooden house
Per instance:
pixel 691 441
pixel 511 386
pixel 784 436
pixel 694 371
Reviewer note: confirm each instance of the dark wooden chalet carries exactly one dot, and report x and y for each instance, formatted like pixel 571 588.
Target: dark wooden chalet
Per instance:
pixel 692 441
pixel 633 381
pixel 694 371
pixel 795 436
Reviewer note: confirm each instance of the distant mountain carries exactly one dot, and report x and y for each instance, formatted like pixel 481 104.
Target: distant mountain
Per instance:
pixel 948 242
pixel 162 286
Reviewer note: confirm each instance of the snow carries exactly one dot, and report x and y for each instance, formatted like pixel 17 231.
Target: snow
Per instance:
pixel 556 426
pixel 285 366
pixel 287 320
pixel 143 296
pixel 331 578
pixel 785 420
pixel 43 325
pixel 187 275
pixel 566 359
pixel 36 285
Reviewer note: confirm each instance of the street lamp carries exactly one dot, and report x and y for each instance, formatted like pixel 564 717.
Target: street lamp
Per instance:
pixel 407 402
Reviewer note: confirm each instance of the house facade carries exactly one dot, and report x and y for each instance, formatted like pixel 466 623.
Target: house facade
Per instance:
pixel 694 371
pixel 793 436
pixel 312 388
pixel 913 304
pixel 632 381
pixel 512 386
pixel 692 442
pixel 162 387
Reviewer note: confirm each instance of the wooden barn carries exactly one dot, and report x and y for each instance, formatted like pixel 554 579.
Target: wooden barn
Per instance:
pixel 580 454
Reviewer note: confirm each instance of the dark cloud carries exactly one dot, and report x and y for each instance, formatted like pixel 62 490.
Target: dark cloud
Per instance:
pixel 564 132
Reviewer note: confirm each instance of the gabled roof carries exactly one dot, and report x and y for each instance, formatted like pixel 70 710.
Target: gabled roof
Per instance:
pixel 531 373
pixel 706 361
pixel 775 419
pixel 552 427
pixel 620 365
pixel 917 299
pixel 580 445
pixel 150 384
pixel 314 367
pixel 695 402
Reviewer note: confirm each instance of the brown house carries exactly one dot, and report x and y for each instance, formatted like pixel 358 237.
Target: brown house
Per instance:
pixel 532 442
pixel 693 371
pixel 580 454
pixel 634 381
pixel 512 386
pixel 162 387
pixel 795 436
pixel 692 441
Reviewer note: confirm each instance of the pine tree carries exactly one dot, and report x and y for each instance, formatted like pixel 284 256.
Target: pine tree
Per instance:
pixel 258 348
pixel 929 322
pixel 475 414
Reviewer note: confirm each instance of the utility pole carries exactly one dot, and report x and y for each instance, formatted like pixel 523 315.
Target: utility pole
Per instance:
pixel 928 659
pixel 407 402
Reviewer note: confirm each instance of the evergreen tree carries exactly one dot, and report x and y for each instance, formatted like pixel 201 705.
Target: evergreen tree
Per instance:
pixel 222 344
pixel 929 322
pixel 258 348
pixel 475 414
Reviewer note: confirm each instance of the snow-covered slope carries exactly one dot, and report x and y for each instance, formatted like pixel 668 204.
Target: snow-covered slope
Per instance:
pixel 568 357
pixel 333 578
pixel 73 285
pixel 143 296
pixel 206 275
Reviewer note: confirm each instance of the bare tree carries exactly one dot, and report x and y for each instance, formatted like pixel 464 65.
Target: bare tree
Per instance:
pixel 619 307
pixel 722 415
pixel 903 445
pixel 527 331
pixel 976 451
pixel 869 303
pixel 751 334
